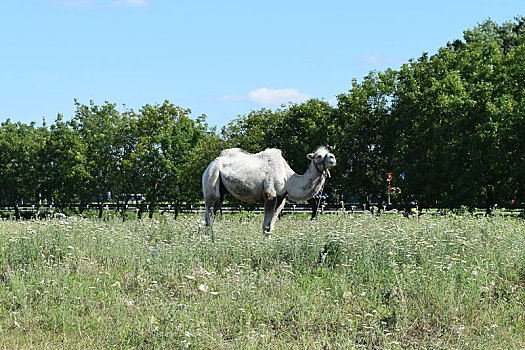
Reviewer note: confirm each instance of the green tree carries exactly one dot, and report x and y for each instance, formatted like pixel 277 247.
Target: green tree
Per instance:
pixel 514 136
pixel 507 36
pixel 96 127
pixel 429 101
pixel 366 135
pixel 253 132
pixel 300 130
pixel 126 173
pixel 187 136
pixel 64 168
pixel 41 178
pixel 165 138
pixel 18 156
pixel 206 149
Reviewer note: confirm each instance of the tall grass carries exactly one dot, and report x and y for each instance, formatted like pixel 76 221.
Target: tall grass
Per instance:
pixel 341 281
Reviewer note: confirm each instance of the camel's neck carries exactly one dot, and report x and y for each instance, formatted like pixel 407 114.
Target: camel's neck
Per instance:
pixel 304 187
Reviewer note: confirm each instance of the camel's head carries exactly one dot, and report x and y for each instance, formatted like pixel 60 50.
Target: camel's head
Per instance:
pixel 323 160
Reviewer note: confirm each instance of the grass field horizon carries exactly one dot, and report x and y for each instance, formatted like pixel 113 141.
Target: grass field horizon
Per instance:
pixel 340 281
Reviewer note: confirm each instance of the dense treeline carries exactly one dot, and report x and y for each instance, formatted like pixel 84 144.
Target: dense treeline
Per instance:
pixel 101 154
pixel 449 127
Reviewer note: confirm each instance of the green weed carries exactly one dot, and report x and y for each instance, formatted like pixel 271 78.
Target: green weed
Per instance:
pixel 340 281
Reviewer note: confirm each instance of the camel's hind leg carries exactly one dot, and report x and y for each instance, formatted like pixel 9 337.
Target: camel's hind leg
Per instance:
pixel 212 206
pixel 208 213
pixel 216 206
pixel 211 188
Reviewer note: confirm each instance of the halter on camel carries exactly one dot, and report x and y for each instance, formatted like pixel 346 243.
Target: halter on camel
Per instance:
pixel 325 172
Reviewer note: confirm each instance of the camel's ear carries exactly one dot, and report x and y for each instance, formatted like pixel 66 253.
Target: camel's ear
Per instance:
pixel 310 156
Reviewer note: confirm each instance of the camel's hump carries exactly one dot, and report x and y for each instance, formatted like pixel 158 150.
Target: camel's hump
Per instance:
pixel 269 152
pixel 232 151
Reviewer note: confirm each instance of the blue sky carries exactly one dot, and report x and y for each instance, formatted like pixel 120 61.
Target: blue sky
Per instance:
pixel 219 58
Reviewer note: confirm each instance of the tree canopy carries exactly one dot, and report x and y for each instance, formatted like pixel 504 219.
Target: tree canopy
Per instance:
pixel 450 127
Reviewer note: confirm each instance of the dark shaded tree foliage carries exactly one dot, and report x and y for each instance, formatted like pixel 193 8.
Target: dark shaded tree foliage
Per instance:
pixel 460 107
pixel 65 174
pixel 453 123
pixel 366 136
pixel 301 130
pixel 19 148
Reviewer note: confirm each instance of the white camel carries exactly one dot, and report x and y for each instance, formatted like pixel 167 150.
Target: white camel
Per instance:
pixel 262 178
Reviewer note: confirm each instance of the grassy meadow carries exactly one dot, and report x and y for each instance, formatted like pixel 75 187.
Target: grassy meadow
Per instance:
pixel 339 282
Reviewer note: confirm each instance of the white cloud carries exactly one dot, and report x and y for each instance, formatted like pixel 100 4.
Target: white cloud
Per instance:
pixel 132 3
pixel 271 97
pixel 233 98
pixel 370 58
pixel 382 60
pixel 100 3
pixel 74 3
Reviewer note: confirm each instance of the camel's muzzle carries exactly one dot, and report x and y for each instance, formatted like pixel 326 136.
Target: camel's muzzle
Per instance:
pixel 324 166
pixel 329 160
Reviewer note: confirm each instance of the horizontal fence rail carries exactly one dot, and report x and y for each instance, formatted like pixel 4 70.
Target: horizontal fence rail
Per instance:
pixel 288 209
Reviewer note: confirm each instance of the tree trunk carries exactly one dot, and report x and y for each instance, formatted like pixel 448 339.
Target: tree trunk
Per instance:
pixel 17 212
pixel 84 206
pixel 176 208
pixel 100 210
pixel 380 205
pixel 489 202
pixel 37 214
pixel 117 206
pixel 520 196
pixel 124 209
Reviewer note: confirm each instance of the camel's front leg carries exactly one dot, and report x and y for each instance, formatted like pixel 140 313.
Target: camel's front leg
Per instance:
pixel 270 204
pixel 269 211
